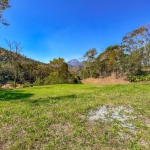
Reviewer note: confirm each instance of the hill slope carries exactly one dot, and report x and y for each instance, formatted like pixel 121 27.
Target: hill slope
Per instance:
pixel 5 54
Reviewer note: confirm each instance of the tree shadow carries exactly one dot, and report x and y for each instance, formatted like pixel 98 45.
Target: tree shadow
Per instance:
pixel 71 96
pixel 52 99
pixel 9 95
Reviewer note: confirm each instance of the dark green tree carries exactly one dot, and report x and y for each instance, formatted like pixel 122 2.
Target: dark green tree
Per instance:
pixel 58 71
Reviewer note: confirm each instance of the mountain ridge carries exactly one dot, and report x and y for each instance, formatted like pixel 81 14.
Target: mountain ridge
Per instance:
pixel 75 62
pixel 75 65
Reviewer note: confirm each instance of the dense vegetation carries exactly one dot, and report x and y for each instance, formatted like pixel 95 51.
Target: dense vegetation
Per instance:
pixel 15 68
pixel 56 117
pixel 132 56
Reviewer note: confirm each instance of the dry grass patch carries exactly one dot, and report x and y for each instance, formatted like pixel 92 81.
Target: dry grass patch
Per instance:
pixel 60 129
pixel 107 80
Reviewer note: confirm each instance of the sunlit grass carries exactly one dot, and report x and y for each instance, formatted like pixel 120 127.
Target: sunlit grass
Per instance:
pixel 56 117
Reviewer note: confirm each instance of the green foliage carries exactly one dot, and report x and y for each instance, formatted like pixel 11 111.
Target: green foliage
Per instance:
pixel 4 4
pixel 1 85
pixel 27 84
pixel 89 57
pixel 38 81
pixel 24 69
pixel 139 76
pixel 132 55
pixel 58 72
pixel 74 79
pixel 111 60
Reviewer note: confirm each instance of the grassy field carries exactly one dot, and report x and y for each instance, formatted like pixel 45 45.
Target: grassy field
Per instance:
pixel 56 117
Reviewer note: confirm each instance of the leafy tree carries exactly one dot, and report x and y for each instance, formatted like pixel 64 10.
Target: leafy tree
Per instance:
pixel 6 73
pixel 136 39
pixel 89 57
pixel 58 71
pixel 4 4
pixel 109 61
pixel 136 43
pixel 124 63
pixel 29 71
pixel 113 53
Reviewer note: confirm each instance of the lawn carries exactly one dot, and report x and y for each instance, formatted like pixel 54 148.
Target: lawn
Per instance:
pixel 57 117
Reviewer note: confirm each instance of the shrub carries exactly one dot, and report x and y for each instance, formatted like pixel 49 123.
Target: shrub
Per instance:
pixel 38 81
pixel 27 84
pixel 138 78
pixel 1 85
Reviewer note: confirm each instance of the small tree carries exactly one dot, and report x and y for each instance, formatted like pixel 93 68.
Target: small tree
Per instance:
pixel 89 57
pixel 14 57
pixel 58 71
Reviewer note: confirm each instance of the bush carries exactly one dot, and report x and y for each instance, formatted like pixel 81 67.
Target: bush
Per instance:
pixel 138 78
pixel 38 81
pixel 1 85
pixel 27 84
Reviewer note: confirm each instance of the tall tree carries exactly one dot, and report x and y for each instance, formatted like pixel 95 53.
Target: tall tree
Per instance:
pixel 58 71
pixel 136 43
pixel 4 4
pixel 89 57
pixel 109 60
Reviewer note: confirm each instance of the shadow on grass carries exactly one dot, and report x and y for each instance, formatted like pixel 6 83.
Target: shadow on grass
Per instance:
pixel 52 100
pixel 8 95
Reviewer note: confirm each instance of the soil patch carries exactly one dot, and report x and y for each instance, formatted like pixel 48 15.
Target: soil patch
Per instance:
pixel 9 86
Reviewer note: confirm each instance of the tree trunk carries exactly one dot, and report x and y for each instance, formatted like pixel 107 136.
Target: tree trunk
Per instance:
pixel 15 77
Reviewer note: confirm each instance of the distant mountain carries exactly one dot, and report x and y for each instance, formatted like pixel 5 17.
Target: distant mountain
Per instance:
pixel 70 66
pixel 75 65
pixel 73 62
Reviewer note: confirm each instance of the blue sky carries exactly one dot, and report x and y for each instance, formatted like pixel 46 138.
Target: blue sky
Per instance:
pixel 50 29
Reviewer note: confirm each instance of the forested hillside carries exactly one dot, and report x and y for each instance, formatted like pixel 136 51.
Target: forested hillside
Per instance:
pixel 15 68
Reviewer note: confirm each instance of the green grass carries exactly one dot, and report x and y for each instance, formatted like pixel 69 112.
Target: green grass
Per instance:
pixel 56 117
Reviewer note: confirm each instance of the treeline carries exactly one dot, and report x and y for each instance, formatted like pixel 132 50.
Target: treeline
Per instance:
pixel 131 57
pixel 17 69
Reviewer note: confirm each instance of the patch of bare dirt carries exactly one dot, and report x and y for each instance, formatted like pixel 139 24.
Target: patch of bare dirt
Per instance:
pixel 107 80
pixel 9 86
